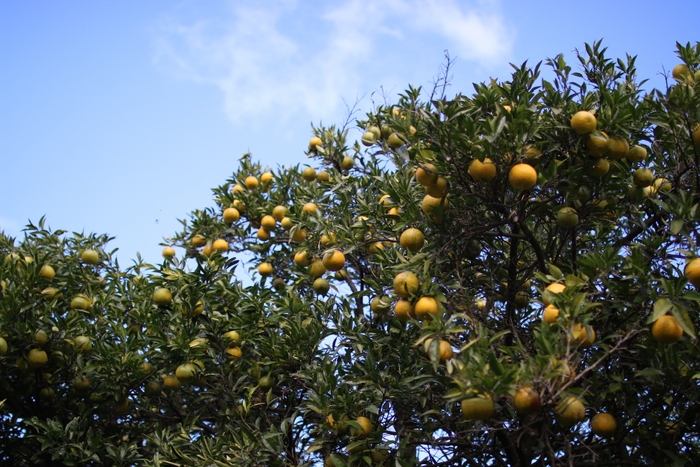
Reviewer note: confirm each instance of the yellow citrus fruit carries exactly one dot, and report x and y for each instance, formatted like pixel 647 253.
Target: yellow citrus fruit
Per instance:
pixel 570 411
pixel 445 351
pixel 405 284
pixel 599 167
pixel 323 176
pixel 313 142
pixel 266 178
pixel 662 185
pixel 251 182
pixel 681 72
pixel 365 426
pixel 395 141
pixel 80 302
pixel 379 304
pixel 347 163
pixel 233 353
pixel 375 247
pixel 316 268
pixel 479 407
pixel 666 330
pixel 286 223
pixel 526 400
pixel 404 310
pixel 90 257
pixel 532 155
pixel 231 215
pixel 278 212
pixel 328 239
pixel 598 144
pixel 550 314
pixel 207 250
pixel 82 344
pixel 168 252
pixel 171 382
pixel 298 234
pixel 642 177
pixel 554 288
pixel 237 188
pixel 263 234
pixel 266 382
pixel 482 172
pixel 162 297
pixel 233 336
pixel 394 211
pixel 434 208
pixel 334 260
pixel 522 176
pixel 426 308
pixel 603 424
pixel 302 258
pixel 199 240
pixel 618 147
pixel 567 217
pixel 309 174
pixel 36 358
pixel 268 222
pixel 310 208
pixel 3 346
pixel 368 138
pixel 583 122
pixel 636 154
pixel 426 174
pixel 265 269
pixel 696 135
pixel 692 272
pixel 40 337
pixel 581 336
pixel 220 245
pixel 321 286
pixel 186 372
pixel 47 272
pixel 412 239
pixel 239 205
pixel 439 188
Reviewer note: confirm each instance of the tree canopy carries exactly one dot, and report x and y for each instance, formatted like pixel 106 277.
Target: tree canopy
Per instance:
pixel 506 278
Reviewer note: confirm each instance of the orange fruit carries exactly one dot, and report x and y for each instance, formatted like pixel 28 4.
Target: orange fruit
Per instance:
pixel 347 163
pixel 239 205
pixel 323 176
pixel 266 178
pixel 171 382
pixel 251 182
pixel 526 400
pixel 599 167
pixel 554 288
pixel 309 174
pixel 426 308
pixel 47 272
pixel 696 135
pixel 36 358
pixel 315 141
pixel 375 247
pixel 426 174
pixel 404 310
pixel 395 141
pixel 302 258
pixel 328 239
pixel 199 240
pixel 692 272
pixel 263 234
pixel 298 234
pixel 3 346
pixel 439 188
pixel 603 424
pixel 316 268
pixel 445 351
pixel 583 122
pixel 334 260
pixel 681 73
pixel 522 176
pixel 581 336
pixel 162 297
pixel 268 222
pixel 412 239
pixel 286 223
pixel 550 315
pixel 479 407
pixel 220 245
pixel 618 147
pixel 666 330
pixel 642 177
pixel 405 284
pixel 90 257
pixel 278 212
pixel 365 426
pixel 570 411
pixel 598 144
pixel 82 344
pixel 434 208
pixel 310 208
pixel 168 252
pixel 636 154
pixel 237 188
pixel 265 269
pixel 321 286
pixel 233 353
pixel 482 172
pixel 186 372
pixel 567 217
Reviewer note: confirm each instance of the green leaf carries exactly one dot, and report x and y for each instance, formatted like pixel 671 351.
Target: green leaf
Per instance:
pixel 661 307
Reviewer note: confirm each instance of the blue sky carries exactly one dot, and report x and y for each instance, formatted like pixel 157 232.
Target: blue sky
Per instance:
pixel 119 117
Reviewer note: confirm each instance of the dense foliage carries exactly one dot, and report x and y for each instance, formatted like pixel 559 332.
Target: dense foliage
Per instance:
pixel 386 326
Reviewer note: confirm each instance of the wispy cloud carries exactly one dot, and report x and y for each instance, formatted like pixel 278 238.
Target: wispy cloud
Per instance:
pixel 298 62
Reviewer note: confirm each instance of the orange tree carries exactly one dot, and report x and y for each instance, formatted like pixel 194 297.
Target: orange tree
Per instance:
pixel 507 278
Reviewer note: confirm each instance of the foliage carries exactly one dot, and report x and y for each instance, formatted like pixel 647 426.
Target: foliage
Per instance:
pixel 292 387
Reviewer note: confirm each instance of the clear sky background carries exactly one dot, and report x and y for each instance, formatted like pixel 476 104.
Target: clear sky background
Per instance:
pixel 119 117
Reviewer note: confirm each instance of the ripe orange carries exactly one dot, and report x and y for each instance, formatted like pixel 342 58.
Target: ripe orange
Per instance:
pixel 404 310
pixel 199 240
pixel 365 426
pixel 171 382
pixel 231 215
pixel 152 389
pixel 233 336
pixel 666 330
pixel 220 245
pixel 426 174
pixel 379 304
pixel 439 188
pixel 263 234
pixel 315 141
pixel 642 177
pixel 479 407
pixel 278 212
pixel 583 122
pixel 302 258
pixel 692 272
pixel 603 424
pixel 368 138
pixel 567 217
pixel 90 257
pixel 375 247
pixel 316 268
pixel 426 308
pixel 80 302
pixel 298 234
pixel 598 143
pixel 168 252
pixel 268 222
pixel 328 239
pixel 47 272
pixel 395 141
pixel 347 163
pixel 599 167
pixel 82 344
pixel 412 239
pixel 266 178
pixel 581 336
pixel 162 297
pixel 309 174
pixel 405 284
pixel 207 250
pixel 323 176
pixel 239 205
pixel 265 269
pixel 681 72
pixel 554 288
pixel 186 372
pixel 334 260
pixel 434 208
pixel 636 154
pixel 321 286
pixel 237 188
pixel 522 176
pixel 251 182
pixel 233 353
pixel 570 411
pixel 526 400
pixel 36 358
pixel 445 351
pixel 618 147
pixel 550 315
pixel 310 208
pixel 482 172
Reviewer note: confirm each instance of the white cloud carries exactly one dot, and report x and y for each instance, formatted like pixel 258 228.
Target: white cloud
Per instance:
pixel 299 62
